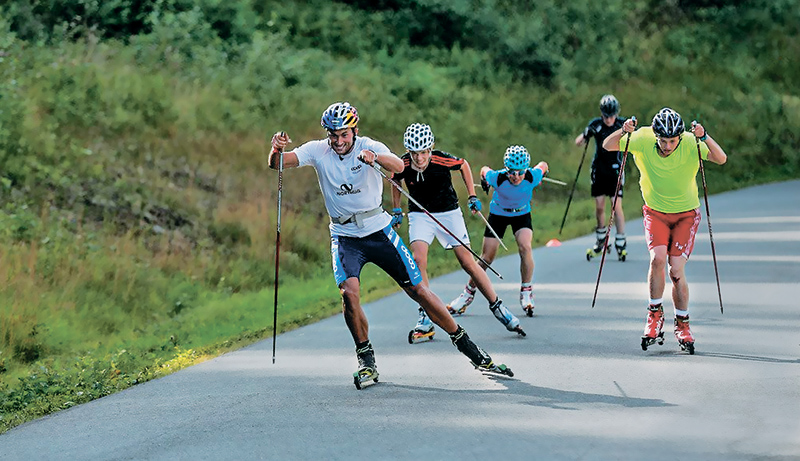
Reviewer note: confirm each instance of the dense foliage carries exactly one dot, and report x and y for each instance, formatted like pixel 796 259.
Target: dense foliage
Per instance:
pixel 138 214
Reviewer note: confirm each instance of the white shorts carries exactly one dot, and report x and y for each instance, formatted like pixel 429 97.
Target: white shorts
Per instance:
pixel 422 227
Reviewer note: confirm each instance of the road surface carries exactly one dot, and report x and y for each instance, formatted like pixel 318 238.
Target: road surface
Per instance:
pixel 583 387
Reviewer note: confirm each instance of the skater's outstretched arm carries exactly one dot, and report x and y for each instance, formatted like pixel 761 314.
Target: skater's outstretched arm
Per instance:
pixel 279 142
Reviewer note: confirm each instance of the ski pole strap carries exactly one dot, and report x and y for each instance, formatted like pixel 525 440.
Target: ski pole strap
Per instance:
pixel 357 218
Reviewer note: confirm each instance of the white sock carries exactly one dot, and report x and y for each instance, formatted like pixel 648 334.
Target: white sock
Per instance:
pixel 657 301
pixel 681 313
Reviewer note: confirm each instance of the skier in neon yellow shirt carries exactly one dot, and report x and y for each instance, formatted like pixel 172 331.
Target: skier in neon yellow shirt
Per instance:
pixel 666 157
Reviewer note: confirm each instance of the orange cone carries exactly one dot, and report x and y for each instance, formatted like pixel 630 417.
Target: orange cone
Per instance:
pixel 553 243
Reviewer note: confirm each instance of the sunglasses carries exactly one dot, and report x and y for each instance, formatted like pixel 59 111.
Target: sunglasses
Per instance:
pixel 516 172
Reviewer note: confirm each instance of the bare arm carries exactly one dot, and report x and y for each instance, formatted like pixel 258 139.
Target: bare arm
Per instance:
pixel 611 143
pixel 715 152
pixel 484 170
pixel 396 196
pixel 389 161
pixel 543 166
pixel 581 139
pixel 466 175
pixel 279 142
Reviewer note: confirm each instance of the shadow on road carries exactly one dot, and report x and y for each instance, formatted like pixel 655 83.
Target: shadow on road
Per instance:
pixel 538 396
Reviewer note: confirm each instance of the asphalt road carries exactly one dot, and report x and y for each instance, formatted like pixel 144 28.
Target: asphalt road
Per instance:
pixel 583 387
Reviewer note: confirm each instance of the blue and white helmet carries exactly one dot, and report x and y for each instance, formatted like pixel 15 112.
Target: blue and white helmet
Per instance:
pixel 339 115
pixel 667 123
pixel 418 137
pixel 517 158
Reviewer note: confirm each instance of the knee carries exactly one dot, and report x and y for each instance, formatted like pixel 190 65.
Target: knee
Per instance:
pixel 675 274
pixel 658 262
pixel 416 292
pixel 349 296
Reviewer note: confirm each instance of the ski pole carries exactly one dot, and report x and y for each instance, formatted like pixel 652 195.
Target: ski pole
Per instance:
pixel 544 179
pixel 409 197
pixel 613 210
pixel 489 226
pixel 580 165
pixel 554 181
pixel 277 254
pixel 708 217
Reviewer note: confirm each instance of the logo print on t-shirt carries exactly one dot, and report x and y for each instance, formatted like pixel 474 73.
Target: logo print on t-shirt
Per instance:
pixel 347 189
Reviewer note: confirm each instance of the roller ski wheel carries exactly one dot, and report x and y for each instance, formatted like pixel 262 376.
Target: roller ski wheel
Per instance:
pixel 529 311
pixel 364 376
pixel 688 347
pixel 648 341
pixel 519 331
pixel 415 336
pixel 495 370
pixel 622 255
pixel 595 251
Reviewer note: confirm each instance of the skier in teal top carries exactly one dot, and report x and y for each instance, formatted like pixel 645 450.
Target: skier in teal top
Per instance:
pixel 510 206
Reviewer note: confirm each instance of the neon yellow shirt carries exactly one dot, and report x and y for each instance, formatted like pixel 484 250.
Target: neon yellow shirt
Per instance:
pixel 668 183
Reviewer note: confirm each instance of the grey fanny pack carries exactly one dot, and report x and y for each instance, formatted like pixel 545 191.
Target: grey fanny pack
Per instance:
pixel 357 218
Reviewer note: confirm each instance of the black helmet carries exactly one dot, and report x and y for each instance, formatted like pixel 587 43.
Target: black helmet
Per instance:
pixel 667 123
pixel 609 105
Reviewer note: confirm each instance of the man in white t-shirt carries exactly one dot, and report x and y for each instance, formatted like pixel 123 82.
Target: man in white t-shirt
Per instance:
pixel 361 231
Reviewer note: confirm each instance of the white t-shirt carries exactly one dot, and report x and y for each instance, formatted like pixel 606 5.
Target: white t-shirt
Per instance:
pixel 348 185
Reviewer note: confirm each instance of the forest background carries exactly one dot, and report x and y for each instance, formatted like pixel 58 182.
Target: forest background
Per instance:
pixel 138 222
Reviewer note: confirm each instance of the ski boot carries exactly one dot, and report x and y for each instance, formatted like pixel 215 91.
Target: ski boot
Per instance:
pixel 684 334
pixel 509 320
pixel 423 330
pixel 652 329
pixel 620 243
pixel 477 356
pixel 460 304
pixel 526 300
pixel 597 249
pixel 367 371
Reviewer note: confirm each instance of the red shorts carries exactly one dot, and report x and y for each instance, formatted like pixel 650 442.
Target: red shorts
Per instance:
pixel 676 231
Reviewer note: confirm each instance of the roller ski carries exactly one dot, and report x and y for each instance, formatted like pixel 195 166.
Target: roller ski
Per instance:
pixel 367 371
pixel 597 249
pixel 477 356
pixel 653 328
pixel 509 320
pixel 684 334
pixel 423 331
pixel 459 305
pixel 526 300
pixel 620 244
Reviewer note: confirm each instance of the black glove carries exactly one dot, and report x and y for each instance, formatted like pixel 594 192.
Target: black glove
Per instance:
pixel 485 185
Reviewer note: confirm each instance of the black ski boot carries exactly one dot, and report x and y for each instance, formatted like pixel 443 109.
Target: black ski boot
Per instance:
pixel 367 370
pixel 597 249
pixel 479 358
pixel 620 243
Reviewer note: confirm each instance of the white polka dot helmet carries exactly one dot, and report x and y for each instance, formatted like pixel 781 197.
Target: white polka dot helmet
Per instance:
pixel 517 158
pixel 418 137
